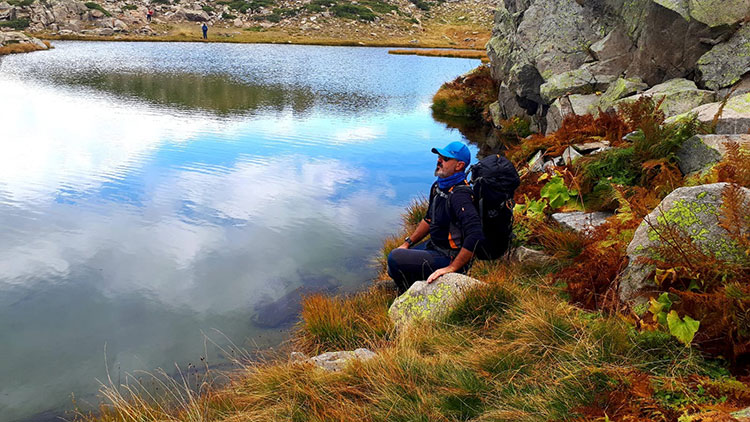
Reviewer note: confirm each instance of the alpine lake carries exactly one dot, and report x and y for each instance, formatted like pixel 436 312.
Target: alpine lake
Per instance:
pixel 166 205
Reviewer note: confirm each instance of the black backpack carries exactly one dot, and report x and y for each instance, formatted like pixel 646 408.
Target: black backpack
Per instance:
pixel 494 179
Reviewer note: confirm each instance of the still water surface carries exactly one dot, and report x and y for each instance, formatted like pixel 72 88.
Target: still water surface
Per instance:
pixel 153 195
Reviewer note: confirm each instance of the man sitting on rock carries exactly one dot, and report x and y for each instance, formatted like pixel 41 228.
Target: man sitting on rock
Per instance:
pixel 452 221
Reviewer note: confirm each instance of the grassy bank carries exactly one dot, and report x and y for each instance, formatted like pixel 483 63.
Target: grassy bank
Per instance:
pixel 21 48
pixel 433 36
pixel 537 341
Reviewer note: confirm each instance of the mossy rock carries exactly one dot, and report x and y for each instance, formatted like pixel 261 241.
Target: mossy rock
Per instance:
pixel 691 210
pixel 431 302
pixel 677 96
pixel 725 64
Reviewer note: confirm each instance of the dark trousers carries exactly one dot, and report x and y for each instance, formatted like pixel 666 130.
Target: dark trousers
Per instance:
pixel 205 35
pixel 405 266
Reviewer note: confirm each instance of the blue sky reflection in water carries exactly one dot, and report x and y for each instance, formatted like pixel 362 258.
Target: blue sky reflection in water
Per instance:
pixel 150 193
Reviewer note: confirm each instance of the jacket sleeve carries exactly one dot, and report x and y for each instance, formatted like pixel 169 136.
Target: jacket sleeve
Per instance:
pixel 463 208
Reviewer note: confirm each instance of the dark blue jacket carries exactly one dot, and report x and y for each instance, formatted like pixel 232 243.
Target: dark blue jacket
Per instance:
pixel 457 227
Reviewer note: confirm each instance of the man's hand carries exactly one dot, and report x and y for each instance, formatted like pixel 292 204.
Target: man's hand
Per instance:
pixel 403 246
pixel 439 272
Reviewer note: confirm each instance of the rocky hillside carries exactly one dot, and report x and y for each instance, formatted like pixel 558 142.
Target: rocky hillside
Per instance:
pixel 559 57
pixel 343 19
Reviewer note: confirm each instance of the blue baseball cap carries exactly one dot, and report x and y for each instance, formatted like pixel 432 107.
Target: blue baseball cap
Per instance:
pixel 455 149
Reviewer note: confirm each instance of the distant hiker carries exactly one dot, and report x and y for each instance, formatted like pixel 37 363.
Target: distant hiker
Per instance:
pixel 454 225
pixel 205 31
pixel 149 14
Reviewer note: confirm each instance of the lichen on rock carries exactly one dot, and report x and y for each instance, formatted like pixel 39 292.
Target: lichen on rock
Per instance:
pixel 694 211
pixel 432 302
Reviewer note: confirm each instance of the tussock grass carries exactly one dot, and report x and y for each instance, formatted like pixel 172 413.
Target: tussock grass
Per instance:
pixel 344 323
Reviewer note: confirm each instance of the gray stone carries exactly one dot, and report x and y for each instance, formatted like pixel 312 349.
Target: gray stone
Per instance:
pixel 702 151
pixel 667 45
pixel 620 88
pixel 337 361
pixel 193 15
pixel 709 12
pixel 96 14
pixel 570 155
pixel 693 210
pixel 615 45
pixel 495 114
pixel 119 26
pixel 557 112
pixel 584 104
pixel 430 301
pixel 578 81
pixel 530 257
pixel 742 415
pixel 508 102
pixel 677 96
pixel 536 164
pixel 591 146
pixel 725 64
pixel 741 87
pixel 734 118
pixel 581 221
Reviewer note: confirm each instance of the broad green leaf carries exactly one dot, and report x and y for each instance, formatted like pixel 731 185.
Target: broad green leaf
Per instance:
pixel 556 192
pixel 684 329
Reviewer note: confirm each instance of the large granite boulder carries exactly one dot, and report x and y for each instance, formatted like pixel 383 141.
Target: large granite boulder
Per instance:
pixel 534 40
pixel 734 118
pixel 677 96
pixel 710 12
pixel 702 151
pixel 431 302
pixel 725 64
pixel 692 210
pixel 578 81
pixel 621 88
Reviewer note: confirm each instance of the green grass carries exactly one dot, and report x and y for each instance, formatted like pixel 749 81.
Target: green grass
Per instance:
pixel 208 9
pixel 130 7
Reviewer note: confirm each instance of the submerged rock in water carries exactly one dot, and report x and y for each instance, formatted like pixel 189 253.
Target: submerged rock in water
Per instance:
pixel 270 313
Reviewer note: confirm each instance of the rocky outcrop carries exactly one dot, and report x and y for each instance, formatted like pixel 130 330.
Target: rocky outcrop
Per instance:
pixel 542 51
pixel 692 210
pixel 19 42
pixel 710 12
pixel 677 96
pixel 725 64
pixel 430 301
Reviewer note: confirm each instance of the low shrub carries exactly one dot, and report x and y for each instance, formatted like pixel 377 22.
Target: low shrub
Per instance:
pixel 21 3
pixel 353 11
pixel 96 6
pixel 130 7
pixel 228 16
pixel 208 9
pixel 17 24
pixel 466 96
